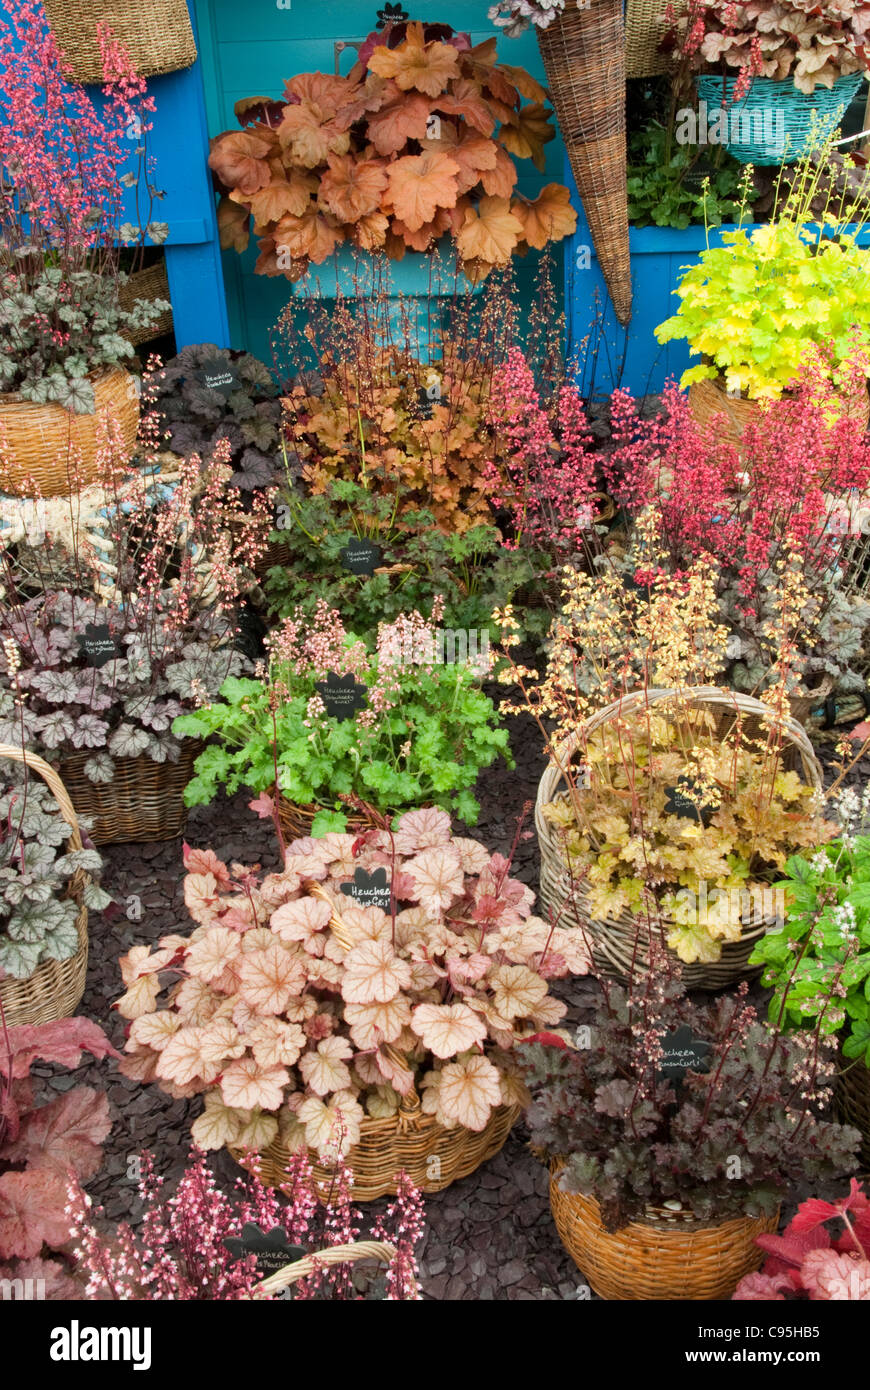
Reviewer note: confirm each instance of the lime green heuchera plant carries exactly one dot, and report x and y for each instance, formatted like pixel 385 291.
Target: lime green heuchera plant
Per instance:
pixel 412 729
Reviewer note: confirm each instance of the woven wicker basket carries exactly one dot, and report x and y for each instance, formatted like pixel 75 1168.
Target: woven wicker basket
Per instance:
pixel 52 451
pixel 584 59
pixel 712 406
pixel 621 946
pixel 668 1256
pixel 55 988
pixel 296 821
pixel 143 801
pixel 336 1255
pixel 775 123
pixel 645 27
pixel 409 1141
pixel 156 33
pixel 852 1100
pixel 150 283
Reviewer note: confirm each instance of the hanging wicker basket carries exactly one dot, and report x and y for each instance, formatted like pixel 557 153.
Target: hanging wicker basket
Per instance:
pixel 52 451
pixel 668 1256
pixel 728 416
pixel 55 988
pixel 156 33
pixel 645 27
pixel 620 946
pixel 409 1141
pixel 583 52
pixel 149 284
pixel 852 1100
pixel 143 802
pixel 775 123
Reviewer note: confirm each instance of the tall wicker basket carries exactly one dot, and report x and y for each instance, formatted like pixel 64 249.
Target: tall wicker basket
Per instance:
pixel 409 1141
pixel 583 51
pixel 620 947
pixel 52 451
pixel 667 1256
pixel 156 33
pixel 55 988
pixel 143 801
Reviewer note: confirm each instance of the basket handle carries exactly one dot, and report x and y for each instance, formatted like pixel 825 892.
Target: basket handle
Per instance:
pixel 410 1110
pixel 55 785
pixel 338 1254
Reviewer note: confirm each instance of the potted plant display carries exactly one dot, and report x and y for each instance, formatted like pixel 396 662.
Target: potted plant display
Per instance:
pixel 364 1001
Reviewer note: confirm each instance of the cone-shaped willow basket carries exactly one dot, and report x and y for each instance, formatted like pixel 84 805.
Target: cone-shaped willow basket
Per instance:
pixel 584 58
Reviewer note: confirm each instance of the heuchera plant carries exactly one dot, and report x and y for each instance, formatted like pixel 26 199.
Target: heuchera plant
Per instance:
pixel 807 1262
pixel 415 142
pixel 286 1028
pixel 43 1147
pixel 191 1246
pixel 421 731
pixel 37 915
pixel 65 164
pixel 631 1138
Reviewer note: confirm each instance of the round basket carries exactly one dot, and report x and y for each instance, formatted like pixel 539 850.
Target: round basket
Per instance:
pixel 409 1141
pixel 852 1100
pixel 52 451
pixel 583 51
pixel 335 1255
pixel 143 801
pixel 620 946
pixel 296 820
pixel 157 34
pixel 668 1256
pixel 775 123
pixel 728 415
pixel 149 284
pixel 55 988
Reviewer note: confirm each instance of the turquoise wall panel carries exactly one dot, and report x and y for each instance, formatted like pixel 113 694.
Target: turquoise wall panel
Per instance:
pixel 253 48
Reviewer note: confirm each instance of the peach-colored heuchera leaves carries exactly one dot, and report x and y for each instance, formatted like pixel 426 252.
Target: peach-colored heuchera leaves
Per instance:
pixel 296 1011
pixel 415 142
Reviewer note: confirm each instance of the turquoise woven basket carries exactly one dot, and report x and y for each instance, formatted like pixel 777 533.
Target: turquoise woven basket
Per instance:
pixel 774 123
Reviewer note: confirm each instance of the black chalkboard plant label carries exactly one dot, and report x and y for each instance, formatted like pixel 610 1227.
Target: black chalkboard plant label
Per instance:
pixel 686 800
pixel 97 644
pixel 682 1053
pixel 342 696
pixel 361 557
pixel 369 889
pixel 272 1249
pixel 218 375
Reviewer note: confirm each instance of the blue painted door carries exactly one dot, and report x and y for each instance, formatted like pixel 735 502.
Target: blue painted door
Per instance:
pixel 251 49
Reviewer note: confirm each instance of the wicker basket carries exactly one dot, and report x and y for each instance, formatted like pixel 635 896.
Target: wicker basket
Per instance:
pixel 645 27
pixel 52 451
pixel 583 52
pixel 409 1141
pixel 729 415
pixel 296 821
pixel 336 1255
pixel 150 283
pixel 143 801
pixel 156 33
pixel 55 988
pixel 620 947
pixel 780 122
pixel 852 1100
pixel 668 1256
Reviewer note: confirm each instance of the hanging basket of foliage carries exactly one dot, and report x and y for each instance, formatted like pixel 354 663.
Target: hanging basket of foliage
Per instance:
pixel 666 1256
pixel 645 28
pixel 157 34
pixel 55 988
pixel 713 925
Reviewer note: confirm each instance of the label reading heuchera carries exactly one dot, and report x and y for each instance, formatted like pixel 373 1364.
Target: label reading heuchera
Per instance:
pixel 342 696
pixel 361 557
pixel 98 645
pixel 272 1248
pixel 369 889
pixel 686 801
pixel 683 1052
pixel 217 375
